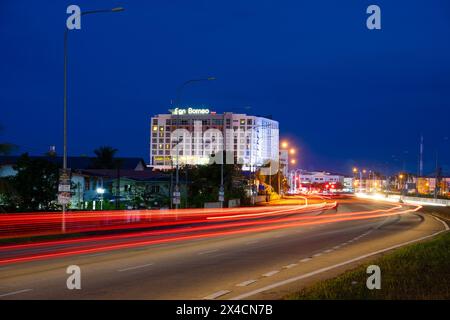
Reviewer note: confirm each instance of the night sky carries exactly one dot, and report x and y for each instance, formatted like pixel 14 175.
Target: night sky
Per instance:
pixel 346 95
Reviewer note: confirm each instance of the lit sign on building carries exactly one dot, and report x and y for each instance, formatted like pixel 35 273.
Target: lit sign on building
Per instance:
pixel 189 111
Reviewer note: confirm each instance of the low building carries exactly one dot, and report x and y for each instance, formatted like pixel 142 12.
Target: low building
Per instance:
pixel 131 185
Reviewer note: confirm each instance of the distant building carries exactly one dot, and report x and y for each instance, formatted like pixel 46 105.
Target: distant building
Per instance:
pixel 305 180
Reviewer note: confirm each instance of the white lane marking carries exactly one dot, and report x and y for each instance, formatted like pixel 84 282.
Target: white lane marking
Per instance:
pixel 317 254
pixel 336 247
pixel 135 267
pixel 209 251
pixel 328 251
pixel 443 222
pixel 245 283
pixel 252 242
pixel 216 294
pixel 290 265
pixel 270 273
pixel 14 292
pixel 305 260
pixel 310 274
pixel 96 254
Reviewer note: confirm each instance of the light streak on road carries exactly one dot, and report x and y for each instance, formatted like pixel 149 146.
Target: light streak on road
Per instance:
pixel 199 232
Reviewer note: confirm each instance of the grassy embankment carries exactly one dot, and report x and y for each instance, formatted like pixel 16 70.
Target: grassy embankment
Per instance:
pixel 417 271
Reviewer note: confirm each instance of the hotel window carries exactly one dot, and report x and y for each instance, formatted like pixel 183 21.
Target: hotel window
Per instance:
pixel 155 121
pixel 155 128
pixel 242 121
pixel 161 128
pixel 249 121
pixel 168 122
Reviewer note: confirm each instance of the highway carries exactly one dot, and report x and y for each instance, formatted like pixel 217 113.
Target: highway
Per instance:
pixel 261 253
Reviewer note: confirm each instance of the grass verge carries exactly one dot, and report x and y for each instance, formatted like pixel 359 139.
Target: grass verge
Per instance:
pixel 419 271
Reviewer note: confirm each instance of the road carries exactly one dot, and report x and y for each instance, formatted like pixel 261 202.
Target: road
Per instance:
pixel 237 257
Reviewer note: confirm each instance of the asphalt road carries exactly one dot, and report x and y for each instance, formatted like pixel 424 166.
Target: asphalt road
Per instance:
pixel 261 264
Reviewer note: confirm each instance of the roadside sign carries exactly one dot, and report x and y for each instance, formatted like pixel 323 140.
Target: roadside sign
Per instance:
pixel 221 198
pixel 64 198
pixel 64 194
pixel 64 188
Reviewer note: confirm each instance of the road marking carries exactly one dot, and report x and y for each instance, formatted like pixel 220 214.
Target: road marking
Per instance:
pixel 252 242
pixel 216 294
pixel 328 251
pixel 135 267
pixel 310 274
pixel 96 254
pixel 245 283
pixel 443 222
pixel 209 251
pixel 305 260
pixel 270 273
pixel 336 247
pixel 14 292
pixel 290 265
pixel 317 254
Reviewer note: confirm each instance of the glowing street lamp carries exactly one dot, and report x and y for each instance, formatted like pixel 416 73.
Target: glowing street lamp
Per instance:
pixel 284 144
pixel 101 192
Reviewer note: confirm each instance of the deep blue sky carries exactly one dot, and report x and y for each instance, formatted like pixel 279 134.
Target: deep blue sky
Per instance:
pixel 347 95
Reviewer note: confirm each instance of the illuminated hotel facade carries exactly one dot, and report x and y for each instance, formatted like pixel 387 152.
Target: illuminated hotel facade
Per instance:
pixel 197 136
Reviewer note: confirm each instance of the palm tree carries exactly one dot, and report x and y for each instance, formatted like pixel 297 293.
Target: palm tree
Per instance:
pixel 105 157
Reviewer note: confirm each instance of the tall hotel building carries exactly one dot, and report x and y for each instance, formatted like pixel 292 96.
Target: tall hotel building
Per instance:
pixel 250 140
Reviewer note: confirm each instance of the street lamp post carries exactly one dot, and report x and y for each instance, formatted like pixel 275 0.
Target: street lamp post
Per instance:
pixel 66 33
pixel 176 194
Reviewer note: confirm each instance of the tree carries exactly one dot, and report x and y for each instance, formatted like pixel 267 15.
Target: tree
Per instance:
pixel 34 187
pixel 105 158
pixel 205 183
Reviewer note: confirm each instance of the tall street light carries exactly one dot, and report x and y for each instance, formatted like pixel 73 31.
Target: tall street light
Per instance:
pixel 176 195
pixel 66 33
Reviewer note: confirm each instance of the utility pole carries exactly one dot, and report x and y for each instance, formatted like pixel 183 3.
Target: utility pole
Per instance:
pixel 66 34
pixel 421 157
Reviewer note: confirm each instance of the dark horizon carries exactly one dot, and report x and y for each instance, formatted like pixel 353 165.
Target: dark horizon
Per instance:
pixel 345 95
